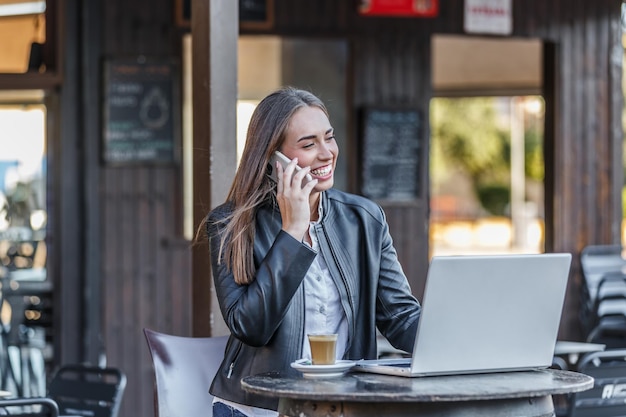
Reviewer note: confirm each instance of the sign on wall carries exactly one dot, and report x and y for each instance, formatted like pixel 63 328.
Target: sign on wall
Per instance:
pixel 488 17
pixel 141 116
pixel 399 8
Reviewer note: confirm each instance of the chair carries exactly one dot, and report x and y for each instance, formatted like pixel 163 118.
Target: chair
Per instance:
pixel 611 284
pixel 602 268
pixel 35 406
pixel 606 398
pixel 594 258
pixel 610 295
pixel 184 368
pixel 88 391
pixel 597 260
pixel 610 331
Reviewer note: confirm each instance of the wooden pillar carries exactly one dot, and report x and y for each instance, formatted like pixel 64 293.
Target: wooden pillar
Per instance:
pixel 215 29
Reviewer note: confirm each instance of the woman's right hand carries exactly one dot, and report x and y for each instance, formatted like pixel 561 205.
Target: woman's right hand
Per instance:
pixel 294 199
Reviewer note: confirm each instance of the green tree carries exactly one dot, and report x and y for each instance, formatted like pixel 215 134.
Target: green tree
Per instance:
pixel 533 145
pixel 467 134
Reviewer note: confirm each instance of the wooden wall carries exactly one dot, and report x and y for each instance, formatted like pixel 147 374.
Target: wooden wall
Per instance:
pixel 145 262
pixel 141 268
pixel 392 69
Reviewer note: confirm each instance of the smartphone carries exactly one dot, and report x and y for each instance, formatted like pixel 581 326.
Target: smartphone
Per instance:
pixel 272 172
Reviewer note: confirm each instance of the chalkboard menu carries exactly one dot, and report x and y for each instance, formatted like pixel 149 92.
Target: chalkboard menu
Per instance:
pixel 140 112
pixel 390 153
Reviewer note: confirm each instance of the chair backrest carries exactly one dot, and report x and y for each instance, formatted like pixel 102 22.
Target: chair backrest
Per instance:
pixel 184 368
pixel 608 395
pixel 39 406
pixel 597 260
pixel 88 391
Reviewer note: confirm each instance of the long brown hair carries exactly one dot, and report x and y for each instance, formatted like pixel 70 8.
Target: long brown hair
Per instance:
pixel 251 187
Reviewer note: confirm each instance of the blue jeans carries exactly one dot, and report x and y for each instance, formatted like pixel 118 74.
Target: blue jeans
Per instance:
pixel 223 410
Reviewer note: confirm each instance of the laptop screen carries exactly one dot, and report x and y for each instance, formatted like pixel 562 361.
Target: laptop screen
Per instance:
pixel 489 313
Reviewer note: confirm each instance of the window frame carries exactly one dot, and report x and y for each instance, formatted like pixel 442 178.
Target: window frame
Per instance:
pixel 52 56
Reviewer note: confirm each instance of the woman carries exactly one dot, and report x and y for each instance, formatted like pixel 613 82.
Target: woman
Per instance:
pixel 297 257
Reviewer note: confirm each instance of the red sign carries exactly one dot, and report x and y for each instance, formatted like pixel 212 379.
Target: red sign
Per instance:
pixel 405 8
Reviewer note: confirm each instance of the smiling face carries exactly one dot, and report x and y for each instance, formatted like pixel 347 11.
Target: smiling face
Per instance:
pixel 310 138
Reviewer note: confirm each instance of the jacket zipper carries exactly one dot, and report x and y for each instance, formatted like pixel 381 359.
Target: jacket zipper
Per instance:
pixel 341 273
pixel 232 364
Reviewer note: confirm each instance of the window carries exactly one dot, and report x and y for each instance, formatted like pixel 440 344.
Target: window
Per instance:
pixel 23 214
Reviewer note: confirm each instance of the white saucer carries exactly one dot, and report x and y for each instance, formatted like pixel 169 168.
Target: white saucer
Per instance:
pixel 322 371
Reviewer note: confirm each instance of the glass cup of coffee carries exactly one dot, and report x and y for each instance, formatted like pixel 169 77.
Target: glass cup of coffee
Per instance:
pixel 323 348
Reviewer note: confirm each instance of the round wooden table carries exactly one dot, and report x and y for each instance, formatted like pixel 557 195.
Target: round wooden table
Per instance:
pixel 527 393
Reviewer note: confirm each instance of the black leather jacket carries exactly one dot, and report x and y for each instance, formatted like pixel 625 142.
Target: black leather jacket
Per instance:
pixel 266 317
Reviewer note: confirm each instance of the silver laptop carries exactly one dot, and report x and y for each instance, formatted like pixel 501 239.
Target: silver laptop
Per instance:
pixel 488 313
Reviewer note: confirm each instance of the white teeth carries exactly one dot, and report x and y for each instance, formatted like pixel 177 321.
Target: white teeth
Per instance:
pixel 321 172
